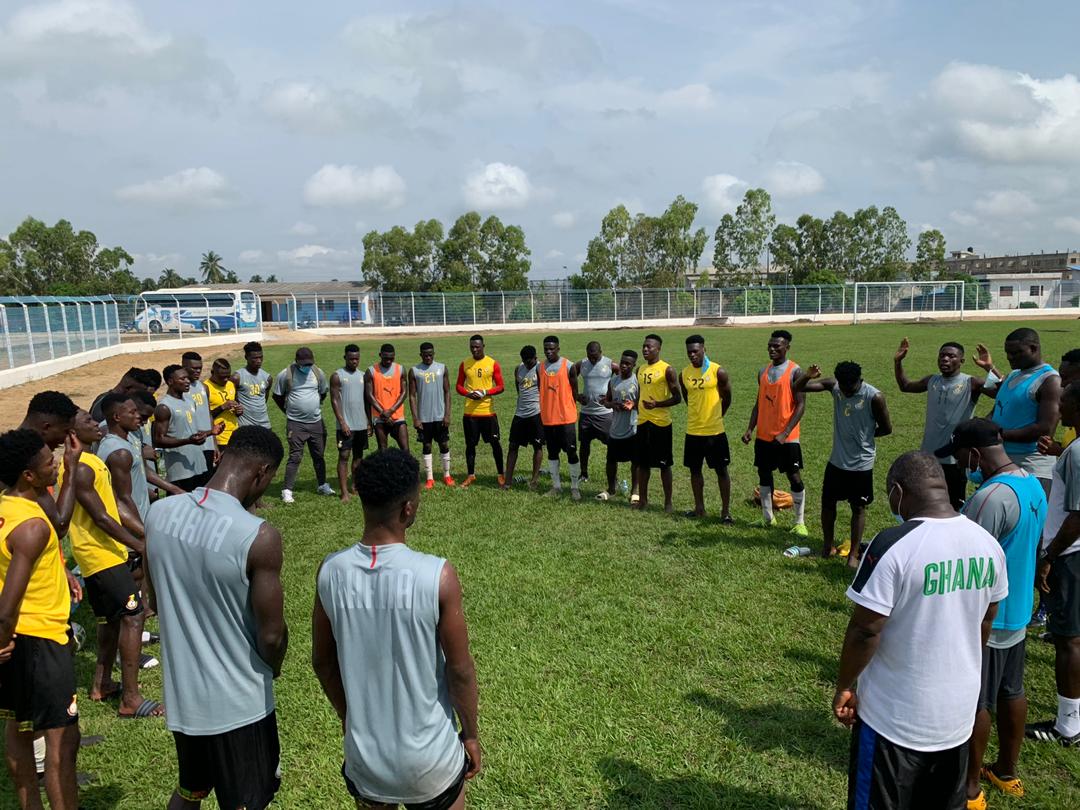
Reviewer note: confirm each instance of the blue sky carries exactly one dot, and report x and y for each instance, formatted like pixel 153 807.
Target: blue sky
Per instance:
pixel 277 133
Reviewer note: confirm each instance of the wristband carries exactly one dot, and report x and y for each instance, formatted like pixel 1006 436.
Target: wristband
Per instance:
pixel 992 380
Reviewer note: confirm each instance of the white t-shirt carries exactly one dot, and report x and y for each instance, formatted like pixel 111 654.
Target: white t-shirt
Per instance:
pixel 1064 495
pixel 934 578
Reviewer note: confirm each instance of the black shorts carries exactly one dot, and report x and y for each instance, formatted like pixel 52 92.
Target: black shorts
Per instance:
pixel 441 802
pixel 1063 601
pixel 619 450
pixel 435 432
pixel 560 439
pixel 356 442
pixel 527 430
pixel 854 486
pixel 476 428
pixel 389 428
pixel 711 450
pixel 112 593
pixel 37 685
pixel 1002 675
pixel 193 483
pixel 209 456
pixel 884 776
pixel 654 445
pixel 956 480
pixel 242 765
pixel 594 427
pixel 769 456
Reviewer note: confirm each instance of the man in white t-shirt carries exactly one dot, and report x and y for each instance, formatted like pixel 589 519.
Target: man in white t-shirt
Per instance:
pixel 925 595
pixel 1058 576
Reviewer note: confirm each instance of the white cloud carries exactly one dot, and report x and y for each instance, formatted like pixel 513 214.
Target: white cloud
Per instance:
pixel 723 192
pixel 563 219
pixel 963 218
pixel 497 186
pixel 1006 116
pixel 333 185
pixel 190 188
pixel 251 257
pixel 315 107
pixel 1070 224
pixel 1006 203
pixel 554 254
pixel 301 228
pixel 306 255
pixel 688 97
pixel 787 178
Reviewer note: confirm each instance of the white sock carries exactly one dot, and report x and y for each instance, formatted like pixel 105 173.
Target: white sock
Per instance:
pixel 800 506
pixel 427 466
pixel 1068 719
pixel 575 475
pixel 553 465
pixel 766 503
pixel 446 464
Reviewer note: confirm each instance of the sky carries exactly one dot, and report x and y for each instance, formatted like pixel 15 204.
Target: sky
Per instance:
pixel 278 133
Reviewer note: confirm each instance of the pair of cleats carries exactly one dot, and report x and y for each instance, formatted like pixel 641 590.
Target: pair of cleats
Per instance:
pixel 799 529
pixel 575 494
pixel 726 520
pixel 447 479
pixel 322 489
pixel 1046 731
pixel 471 479
pixel 1010 786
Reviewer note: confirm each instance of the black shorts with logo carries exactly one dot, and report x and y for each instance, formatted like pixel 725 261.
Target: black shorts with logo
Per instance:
pixel 769 456
pixel 476 428
pixel 356 442
pixel 594 427
pixel 620 450
pixel 527 430
pixel 883 775
pixel 443 801
pixel 1002 675
pixel 654 445
pixel 112 593
pixel 711 450
pixel 242 765
pixel 560 439
pixel 433 432
pixel 37 684
pixel 854 486
pixel 1063 601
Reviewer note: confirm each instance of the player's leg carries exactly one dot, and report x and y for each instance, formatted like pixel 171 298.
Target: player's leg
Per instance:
pixel 858 527
pixel 793 461
pixel 425 438
pixel 296 453
pixel 317 448
pixel 693 459
pixel 723 482
pixel 472 438
pixel 61 750
pixel 195 780
pixel 401 435
pixel 644 459
pixel 130 638
pixel 380 435
pixel 344 448
pixel 443 437
pixel 102 685
pixel 765 463
pixel 494 438
pixel 573 460
pixel 697 486
pixel 612 471
pixel 19 751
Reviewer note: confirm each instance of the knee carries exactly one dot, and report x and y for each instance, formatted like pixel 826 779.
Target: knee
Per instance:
pixel 796 482
pixel 765 477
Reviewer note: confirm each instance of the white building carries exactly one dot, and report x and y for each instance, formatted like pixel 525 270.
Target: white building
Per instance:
pixel 1030 290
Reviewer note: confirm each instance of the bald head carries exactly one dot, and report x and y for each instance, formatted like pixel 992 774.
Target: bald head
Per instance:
pixel 916 486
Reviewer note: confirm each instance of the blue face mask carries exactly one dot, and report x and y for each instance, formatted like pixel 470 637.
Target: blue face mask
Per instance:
pixel 304 369
pixel 976 477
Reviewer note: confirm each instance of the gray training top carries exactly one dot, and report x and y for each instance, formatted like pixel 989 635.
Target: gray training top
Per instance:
pixel 140 492
pixel 188 460
pixel 401 743
pixel 352 399
pixel 251 394
pixel 304 402
pixel 624 423
pixel 948 403
pixel 197 548
pixel 528 402
pixel 198 394
pixel 595 379
pixel 430 398
pixel 854 447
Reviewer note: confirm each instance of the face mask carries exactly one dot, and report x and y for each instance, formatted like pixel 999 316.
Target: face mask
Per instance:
pixel 896 515
pixel 976 477
pixel 304 369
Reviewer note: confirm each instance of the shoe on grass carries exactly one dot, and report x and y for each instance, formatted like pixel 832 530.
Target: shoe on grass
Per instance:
pixel 800 530
pixel 1046 731
pixel 978 803
pixel 767 522
pixel 1011 786
pixel 575 494
pixel 603 496
pixel 449 480
pixel 501 479
pixel 1038 618
pixel 468 482
pixel 429 484
pixel 287 497
pixel 325 489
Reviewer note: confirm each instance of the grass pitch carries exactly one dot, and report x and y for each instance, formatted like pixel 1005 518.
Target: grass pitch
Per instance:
pixel 625 660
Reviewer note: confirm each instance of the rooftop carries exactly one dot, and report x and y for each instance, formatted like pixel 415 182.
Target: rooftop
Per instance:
pixel 281 289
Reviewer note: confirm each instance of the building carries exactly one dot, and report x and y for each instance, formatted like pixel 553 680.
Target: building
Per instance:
pixel 972 264
pixel 1023 281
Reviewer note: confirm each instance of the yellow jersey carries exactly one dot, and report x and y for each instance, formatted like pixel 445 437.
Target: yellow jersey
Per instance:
pixel 1068 436
pixel 652 380
pixel 704 410
pixel 479 375
pixel 94 550
pixel 46 605
pixel 219 395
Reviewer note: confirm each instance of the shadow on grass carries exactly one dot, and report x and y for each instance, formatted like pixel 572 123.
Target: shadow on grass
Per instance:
pixel 100 797
pixel 827 666
pixel 707 532
pixel 803 732
pixel 634 787
pixel 832 570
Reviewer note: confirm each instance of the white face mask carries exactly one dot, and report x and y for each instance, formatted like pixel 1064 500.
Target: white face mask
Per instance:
pixel 896 514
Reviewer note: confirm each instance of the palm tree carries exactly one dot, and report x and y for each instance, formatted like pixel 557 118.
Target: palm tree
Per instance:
pixel 271 279
pixel 213 271
pixel 169 279
pixel 255 279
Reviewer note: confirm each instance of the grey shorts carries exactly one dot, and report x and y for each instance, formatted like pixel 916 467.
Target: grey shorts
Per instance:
pixel 1063 601
pixel 1002 675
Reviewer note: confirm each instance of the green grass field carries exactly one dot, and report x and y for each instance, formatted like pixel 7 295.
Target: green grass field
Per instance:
pixel 625 660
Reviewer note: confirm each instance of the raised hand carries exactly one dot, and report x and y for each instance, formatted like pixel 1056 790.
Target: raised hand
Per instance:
pixel 982 357
pixel 813 372
pixel 901 352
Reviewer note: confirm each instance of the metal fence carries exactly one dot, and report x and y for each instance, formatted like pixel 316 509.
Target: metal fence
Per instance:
pixel 46 327
pixel 157 316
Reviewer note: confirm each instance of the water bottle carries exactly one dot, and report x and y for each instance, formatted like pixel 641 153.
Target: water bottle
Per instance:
pixel 798 551
pixel 624 487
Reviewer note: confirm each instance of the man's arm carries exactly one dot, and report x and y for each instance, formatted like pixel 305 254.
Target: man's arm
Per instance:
pixel 461 389
pixel 674 388
pixel 446 398
pixel 1067 534
pixel 60 511
pixel 497 386
pixel 860 643
pixel 267 599
pixel 154 480
pixel 401 394
pixel 460 670
pixel 987 622
pixel 812 382
pixel 119 464
pixel 369 393
pixel 279 389
pixel 162 419
pixel 26 543
pixel 322 383
pixel 907 386
pixel 92 504
pixel 335 403
pixel 880 409
pixel 324 657
pixel 682 390
pixel 749 434
pixel 413 408
pixel 1049 397
pixel 723 385
pixel 572 376
pixel 984 361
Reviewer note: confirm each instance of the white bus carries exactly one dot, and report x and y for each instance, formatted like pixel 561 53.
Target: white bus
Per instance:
pixel 195 309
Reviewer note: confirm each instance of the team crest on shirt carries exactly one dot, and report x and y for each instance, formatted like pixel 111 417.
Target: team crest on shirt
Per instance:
pixel 73 709
pixel 132 603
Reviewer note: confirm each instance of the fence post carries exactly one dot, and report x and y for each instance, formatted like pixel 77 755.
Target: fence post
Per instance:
pixel 615 298
pixel 933 303
pixel 146 316
pixel 771 310
pixel 819 301
pixel 588 307
pixel 912 297
pixel 382 312
pixel 695 303
pixel 116 313
pixel 720 310
pixel 641 293
pixel 962 290
pixel 82 331
pixel 532 308
pixel 67 334
pixel 348 305
pixel 795 311
pixel 412 305
pixel 443 308
pixel 7 336
pixel 669 304
pixel 48 327
pixel 93 323
pixel 843 298
pixel 560 306
pixel 855 307
pixel 474 309
pixel 745 301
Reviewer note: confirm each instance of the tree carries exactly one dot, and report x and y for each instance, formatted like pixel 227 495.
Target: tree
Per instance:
pixel 271 279
pixel 704 281
pixel 398 260
pixel 799 249
pixel 605 257
pixel 726 254
pixel 929 255
pixel 754 221
pixel 255 279
pixel 169 279
pixel 483 255
pixel 213 271
pixel 679 248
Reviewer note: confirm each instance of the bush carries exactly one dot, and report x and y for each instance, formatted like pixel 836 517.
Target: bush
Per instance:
pixel 753 301
pixel 1028 305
